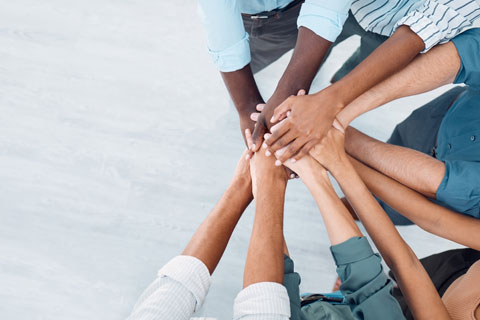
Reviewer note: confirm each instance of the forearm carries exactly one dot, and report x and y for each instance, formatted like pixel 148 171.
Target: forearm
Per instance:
pixel 243 90
pixel 390 57
pixel 426 72
pixel 410 274
pixel 211 238
pixel 307 58
pixel 339 223
pixel 409 167
pixel 424 213
pixel 265 253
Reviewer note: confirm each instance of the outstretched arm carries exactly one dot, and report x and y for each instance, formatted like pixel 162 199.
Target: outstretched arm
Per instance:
pixel 211 238
pixel 366 288
pixel 412 168
pixel 182 284
pixel 428 71
pixel 264 295
pixel 412 278
pixel 427 215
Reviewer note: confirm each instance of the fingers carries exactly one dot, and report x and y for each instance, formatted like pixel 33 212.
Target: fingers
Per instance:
pixel 258 133
pixel 260 107
pixel 283 141
pixel 304 151
pixel 301 92
pixel 288 151
pixel 248 137
pixel 254 116
pixel 278 130
pixel 281 111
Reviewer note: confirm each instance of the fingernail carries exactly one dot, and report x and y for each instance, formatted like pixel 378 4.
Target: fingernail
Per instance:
pixel 253 146
pixel 293 160
pixel 288 114
pixel 278 163
pixel 247 156
pixel 273 119
pixel 268 153
pixel 292 176
pixel 264 145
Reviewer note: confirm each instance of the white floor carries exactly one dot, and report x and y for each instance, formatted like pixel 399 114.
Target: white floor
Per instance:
pixel 116 139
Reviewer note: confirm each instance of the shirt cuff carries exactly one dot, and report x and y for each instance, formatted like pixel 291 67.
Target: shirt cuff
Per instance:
pixel 325 22
pixel 192 273
pixel 263 298
pixel 424 27
pixel 234 57
pixel 352 250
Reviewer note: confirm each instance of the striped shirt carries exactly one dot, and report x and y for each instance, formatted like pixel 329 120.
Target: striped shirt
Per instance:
pixel 182 286
pixel 435 21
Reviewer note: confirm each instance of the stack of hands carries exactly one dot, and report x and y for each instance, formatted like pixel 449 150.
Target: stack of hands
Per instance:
pixel 290 150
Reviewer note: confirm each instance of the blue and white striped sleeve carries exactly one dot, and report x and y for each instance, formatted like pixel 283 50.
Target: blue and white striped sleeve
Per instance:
pixel 226 36
pixel 179 291
pixel 438 21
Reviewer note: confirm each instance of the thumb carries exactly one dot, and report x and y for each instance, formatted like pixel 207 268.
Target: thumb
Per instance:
pixel 257 136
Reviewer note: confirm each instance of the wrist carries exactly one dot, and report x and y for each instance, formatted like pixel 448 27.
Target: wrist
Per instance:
pixel 334 91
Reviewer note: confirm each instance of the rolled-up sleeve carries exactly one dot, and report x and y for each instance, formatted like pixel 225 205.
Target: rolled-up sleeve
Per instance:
pixel 179 291
pixel 262 301
pixel 460 187
pixel 468 47
pixel 365 286
pixel 226 37
pixel 439 21
pixel 325 18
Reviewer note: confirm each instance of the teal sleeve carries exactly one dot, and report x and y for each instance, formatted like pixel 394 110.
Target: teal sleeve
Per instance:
pixel 291 281
pixel 460 187
pixel 365 286
pixel 468 47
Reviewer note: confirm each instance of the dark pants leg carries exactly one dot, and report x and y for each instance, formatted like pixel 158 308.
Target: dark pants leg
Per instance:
pixel 419 132
pixel 271 38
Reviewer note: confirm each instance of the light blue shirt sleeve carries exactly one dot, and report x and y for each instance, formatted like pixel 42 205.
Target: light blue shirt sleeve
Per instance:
pixel 324 17
pixel 226 36
pixel 468 47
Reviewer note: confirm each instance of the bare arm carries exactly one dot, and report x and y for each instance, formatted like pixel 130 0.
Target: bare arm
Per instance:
pixel 211 238
pixel 424 213
pixel 265 253
pixel 307 57
pixel 244 93
pixel 412 168
pixel 338 221
pixel 420 293
pixel 428 71
pixel 312 115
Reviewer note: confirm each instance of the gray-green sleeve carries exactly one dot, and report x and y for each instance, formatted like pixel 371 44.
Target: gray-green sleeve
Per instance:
pixel 365 286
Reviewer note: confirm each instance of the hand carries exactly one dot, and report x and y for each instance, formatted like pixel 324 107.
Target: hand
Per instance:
pixel 309 119
pixel 264 173
pixel 242 170
pixel 331 151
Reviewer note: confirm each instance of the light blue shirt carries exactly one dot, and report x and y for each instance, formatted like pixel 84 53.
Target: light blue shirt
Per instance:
pixel 228 40
pixel 435 21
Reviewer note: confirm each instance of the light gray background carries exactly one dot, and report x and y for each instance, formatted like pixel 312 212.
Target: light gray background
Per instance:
pixel 116 139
